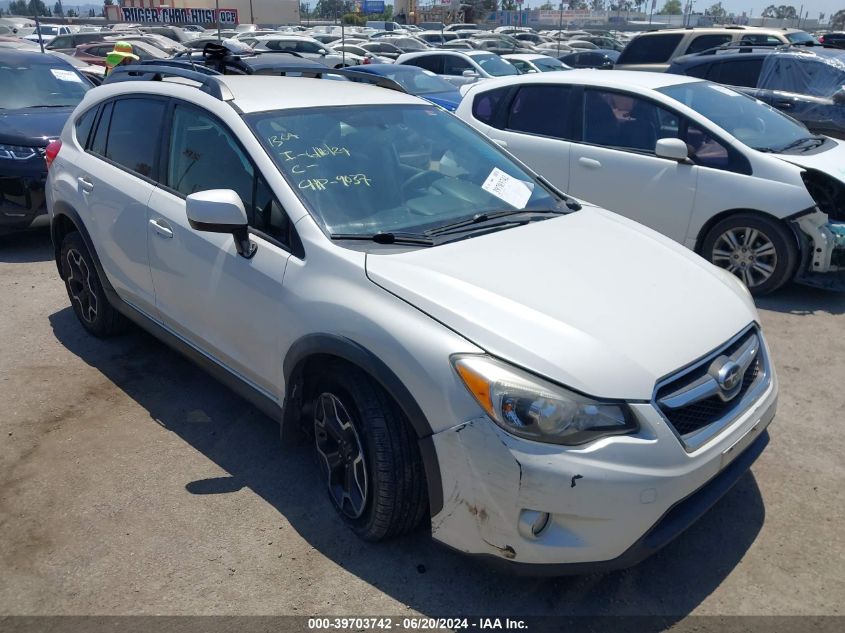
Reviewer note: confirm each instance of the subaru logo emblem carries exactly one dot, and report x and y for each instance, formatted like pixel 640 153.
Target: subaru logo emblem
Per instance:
pixel 728 375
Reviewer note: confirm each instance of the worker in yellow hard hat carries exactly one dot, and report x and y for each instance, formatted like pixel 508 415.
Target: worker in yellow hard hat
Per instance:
pixel 120 56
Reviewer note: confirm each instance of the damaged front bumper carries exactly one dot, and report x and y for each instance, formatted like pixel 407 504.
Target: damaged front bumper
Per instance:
pixel 545 509
pixel 823 251
pixel 22 203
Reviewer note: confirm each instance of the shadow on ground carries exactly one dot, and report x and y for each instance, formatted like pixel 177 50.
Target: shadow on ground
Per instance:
pixel 796 299
pixel 413 570
pixel 26 247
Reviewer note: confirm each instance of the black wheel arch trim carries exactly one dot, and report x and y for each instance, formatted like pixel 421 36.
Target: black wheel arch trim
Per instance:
pixel 348 350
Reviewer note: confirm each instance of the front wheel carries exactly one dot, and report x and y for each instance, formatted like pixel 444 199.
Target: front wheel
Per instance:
pixel 368 455
pixel 759 250
pixel 85 291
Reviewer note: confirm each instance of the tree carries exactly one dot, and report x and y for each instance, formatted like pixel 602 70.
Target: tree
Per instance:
pixel 597 5
pixel 548 6
pixel 782 12
pixel 71 13
pixel 58 10
pixel 837 20
pixel 672 7
pixel 716 11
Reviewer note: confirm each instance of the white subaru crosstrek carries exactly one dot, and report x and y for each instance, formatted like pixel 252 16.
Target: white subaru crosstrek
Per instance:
pixel 553 386
pixel 747 187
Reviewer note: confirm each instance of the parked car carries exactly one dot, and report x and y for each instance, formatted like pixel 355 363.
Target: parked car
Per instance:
pixel 602 59
pixel 382 49
pixel 46 33
pixel 39 93
pixel 419 82
pixel 18 43
pixel 836 39
pixel 235 46
pixel 808 84
pixel 171 32
pixel 534 39
pixel 361 55
pixel 724 174
pixel 96 53
pixel 533 63
pixel 219 59
pixel 165 44
pixel 69 41
pixel 655 50
pixel 430 364
pixel 405 44
pixel 500 46
pixel 306 46
pixel 460 67
pixel 581 45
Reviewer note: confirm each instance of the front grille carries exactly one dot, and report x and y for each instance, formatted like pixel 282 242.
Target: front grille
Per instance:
pixel 694 418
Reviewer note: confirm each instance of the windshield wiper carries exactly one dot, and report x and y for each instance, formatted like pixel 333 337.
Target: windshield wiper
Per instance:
pixel 481 218
pixel 797 143
pixel 387 238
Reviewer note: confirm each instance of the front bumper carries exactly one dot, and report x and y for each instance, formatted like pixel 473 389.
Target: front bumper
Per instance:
pixel 611 503
pixel 823 252
pixel 22 202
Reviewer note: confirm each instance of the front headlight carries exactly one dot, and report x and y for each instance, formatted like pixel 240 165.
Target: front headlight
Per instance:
pixel 17 152
pixel 534 409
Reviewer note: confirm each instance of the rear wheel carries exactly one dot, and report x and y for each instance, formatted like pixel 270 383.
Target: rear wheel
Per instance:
pixel 85 291
pixel 368 455
pixel 759 250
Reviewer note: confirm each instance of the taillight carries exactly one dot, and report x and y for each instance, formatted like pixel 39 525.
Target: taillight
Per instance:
pixel 367 60
pixel 52 151
pixel 821 39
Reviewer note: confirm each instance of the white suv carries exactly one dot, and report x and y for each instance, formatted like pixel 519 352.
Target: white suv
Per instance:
pixel 552 385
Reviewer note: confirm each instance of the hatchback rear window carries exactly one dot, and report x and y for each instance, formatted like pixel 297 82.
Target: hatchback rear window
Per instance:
pixel 650 49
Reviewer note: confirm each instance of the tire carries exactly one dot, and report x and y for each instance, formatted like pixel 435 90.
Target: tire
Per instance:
pixel 355 419
pixel 761 251
pixel 85 291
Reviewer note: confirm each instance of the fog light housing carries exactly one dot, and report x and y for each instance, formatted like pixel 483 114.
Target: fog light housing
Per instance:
pixel 533 522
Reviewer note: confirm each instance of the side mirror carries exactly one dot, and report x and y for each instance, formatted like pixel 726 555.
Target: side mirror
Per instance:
pixel 221 211
pixel 671 148
pixel 469 73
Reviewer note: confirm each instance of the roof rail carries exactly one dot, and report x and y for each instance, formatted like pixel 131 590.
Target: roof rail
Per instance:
pixel 157 72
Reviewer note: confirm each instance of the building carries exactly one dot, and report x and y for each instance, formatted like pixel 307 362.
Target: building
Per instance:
pixel 266 12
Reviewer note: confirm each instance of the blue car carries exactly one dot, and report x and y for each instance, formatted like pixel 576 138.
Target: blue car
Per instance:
pixel 417 81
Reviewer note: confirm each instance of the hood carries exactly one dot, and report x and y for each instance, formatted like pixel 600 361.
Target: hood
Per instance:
pixel 32 126
pixel 830 161
pixel 590 300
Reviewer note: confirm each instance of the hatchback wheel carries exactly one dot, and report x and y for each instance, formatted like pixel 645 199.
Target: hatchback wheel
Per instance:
pixel 84 289
pixel 368 455
pixel 760 251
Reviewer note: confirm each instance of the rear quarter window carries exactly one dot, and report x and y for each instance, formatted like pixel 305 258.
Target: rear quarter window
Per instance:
pixel 485 106
pixel 650 49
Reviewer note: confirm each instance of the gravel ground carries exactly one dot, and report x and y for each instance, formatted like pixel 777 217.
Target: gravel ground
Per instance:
pixel 132 483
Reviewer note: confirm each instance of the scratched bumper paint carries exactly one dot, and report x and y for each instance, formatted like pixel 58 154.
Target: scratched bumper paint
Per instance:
pixel 602 497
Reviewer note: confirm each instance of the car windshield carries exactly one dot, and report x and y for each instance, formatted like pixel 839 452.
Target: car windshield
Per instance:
pixel 363 170
pixel 547 64
pixel 419 83
pixel 40 85
pixel 494 65
pixel 749 120
pixel 800 37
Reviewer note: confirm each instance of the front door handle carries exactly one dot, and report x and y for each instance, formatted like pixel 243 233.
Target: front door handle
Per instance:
pixel 590 163
pixel 784 104
pixel 161 227
pixel 86 185
pixel 500 142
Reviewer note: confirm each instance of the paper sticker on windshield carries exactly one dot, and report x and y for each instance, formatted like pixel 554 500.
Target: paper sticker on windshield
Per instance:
pixel 65 75
pixel 515 192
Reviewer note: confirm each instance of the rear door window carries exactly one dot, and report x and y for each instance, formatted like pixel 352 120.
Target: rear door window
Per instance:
pixel 434 63
pixel 738 72
pixel 650 49
pixel 543 109
pixel 127 147
pixel 703 42
pixel 454 65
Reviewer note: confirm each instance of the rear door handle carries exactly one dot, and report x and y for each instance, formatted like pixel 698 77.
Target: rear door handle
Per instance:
pixel 161 227
pixel 86 185
pixel 589 163
pixel 784 105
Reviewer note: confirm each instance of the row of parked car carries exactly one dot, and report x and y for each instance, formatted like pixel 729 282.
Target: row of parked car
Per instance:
pixel 429 297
